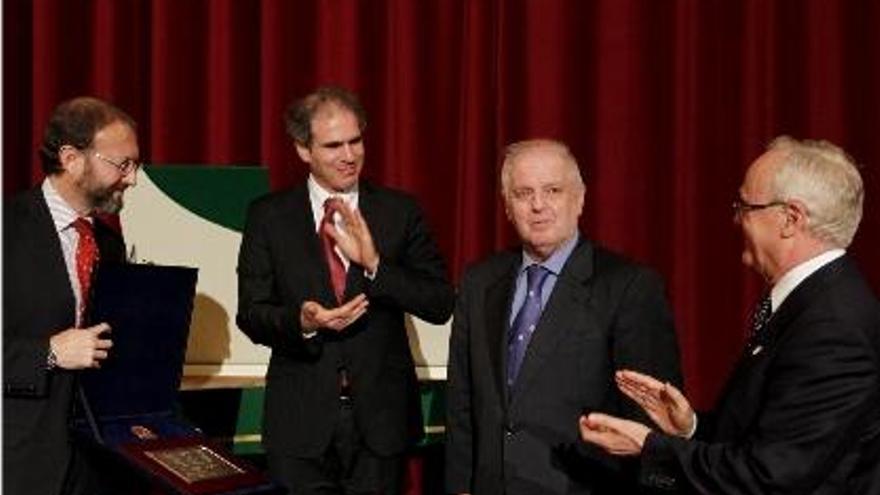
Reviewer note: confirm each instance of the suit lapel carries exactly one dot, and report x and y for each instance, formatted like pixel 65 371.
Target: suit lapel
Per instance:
pixel 498 299
pixel 778 326
pixel 44 243
pixel 303 232
pixel 570 293
pixel 801 297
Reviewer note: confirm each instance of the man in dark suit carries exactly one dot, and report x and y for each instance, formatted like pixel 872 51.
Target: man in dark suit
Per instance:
pixel 536 337
pixel 90 156
pixel 327 271
pixel 801 412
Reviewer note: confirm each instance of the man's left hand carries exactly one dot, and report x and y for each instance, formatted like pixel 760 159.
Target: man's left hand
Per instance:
pixel 313 316
pixel 615 435
pixel 665 404
pixel 355 240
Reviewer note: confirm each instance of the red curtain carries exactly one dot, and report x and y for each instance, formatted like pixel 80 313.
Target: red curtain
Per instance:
pixel 663 103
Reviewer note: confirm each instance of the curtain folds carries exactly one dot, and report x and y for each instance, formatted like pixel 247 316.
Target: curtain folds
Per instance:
pixel 663 103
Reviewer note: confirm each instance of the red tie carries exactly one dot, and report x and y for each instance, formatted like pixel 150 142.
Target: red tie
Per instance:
pixel 86 257
pixel 337 268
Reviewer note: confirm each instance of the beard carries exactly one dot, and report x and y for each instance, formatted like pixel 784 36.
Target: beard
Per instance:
pixel 104 198
pixel 108 200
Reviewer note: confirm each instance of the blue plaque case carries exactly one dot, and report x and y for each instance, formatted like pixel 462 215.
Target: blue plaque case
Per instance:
pixel 128 403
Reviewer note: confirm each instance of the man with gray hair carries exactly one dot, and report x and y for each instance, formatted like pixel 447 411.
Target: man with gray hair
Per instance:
pixel 536 336
pixel 801 412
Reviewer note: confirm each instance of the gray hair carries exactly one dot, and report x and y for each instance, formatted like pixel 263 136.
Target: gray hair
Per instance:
pixel 827 181
pixel 515 150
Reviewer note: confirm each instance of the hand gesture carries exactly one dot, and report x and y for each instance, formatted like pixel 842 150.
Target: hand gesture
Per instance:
pixel 355 240
pixel 313 316
pixel 614 435
pixel 664 403
pixel 78 348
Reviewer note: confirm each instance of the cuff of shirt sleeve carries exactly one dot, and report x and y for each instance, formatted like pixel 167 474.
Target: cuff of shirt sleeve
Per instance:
pixel 51 359
pixel 371 276
pixel 693 431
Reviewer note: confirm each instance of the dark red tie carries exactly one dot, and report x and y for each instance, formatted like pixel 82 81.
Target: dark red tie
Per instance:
pixel 337 268
pixel 86 257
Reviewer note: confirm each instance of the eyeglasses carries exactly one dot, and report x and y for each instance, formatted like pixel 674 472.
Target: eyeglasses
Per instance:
pixel 741 206
pixel 125 167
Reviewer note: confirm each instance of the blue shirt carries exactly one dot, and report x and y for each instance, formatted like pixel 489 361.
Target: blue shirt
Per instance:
pixel 553 264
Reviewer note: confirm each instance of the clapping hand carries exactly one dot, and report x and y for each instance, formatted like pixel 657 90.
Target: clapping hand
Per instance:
pixel 615 435
pixel 313 316
pixel 355 240
pixel 662 402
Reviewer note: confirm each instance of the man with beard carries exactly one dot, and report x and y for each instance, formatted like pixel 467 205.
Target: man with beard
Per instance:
pixel 51 244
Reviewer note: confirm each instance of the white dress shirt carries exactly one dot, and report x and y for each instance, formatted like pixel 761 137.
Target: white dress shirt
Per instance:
pixel 63 216
pixel 796 275
pixel 317 196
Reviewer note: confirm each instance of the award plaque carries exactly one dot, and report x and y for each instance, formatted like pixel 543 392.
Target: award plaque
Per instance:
pixel 194 466
pixel 128 403
pixel 194 463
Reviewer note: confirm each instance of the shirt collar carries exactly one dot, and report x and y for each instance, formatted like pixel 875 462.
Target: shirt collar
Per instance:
pixel 796 275
pixel 63 215
pixel 318 194
pixel 556 260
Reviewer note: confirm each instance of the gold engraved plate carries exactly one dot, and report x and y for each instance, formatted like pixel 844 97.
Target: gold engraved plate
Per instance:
pixel 194 463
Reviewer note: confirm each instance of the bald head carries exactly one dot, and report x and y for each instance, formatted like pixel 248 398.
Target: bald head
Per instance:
pixel 543 150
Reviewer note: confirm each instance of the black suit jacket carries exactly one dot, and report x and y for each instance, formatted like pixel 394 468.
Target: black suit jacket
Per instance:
pixel 802 416
pixel 281 265
pixel 38 302
pixel 605 313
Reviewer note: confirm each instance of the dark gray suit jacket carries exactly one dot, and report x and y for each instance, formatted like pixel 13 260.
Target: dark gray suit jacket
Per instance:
pixel 38 301
pixel 604 314
pixel 281 265
pixel 802 416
